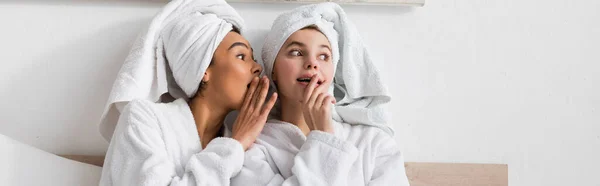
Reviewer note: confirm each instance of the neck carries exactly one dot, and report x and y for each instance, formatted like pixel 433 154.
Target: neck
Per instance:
pixel 291 112
pixel 208 118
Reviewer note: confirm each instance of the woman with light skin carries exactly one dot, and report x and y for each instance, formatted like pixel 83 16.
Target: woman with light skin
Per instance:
pixel 303 144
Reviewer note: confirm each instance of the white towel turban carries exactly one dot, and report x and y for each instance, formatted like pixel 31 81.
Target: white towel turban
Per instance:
pixel 171 56
pixel 358 86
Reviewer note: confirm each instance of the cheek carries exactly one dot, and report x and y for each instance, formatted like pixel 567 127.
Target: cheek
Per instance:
pixel 241 77
pixel 234 81
pixel 327 71
pixel 286 69
pixel 286 72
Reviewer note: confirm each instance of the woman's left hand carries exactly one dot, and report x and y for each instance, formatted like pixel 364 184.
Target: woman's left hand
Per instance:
pixel 317 107
pixel 253 113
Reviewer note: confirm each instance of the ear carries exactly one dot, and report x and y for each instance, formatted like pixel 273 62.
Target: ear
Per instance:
pixel 206 77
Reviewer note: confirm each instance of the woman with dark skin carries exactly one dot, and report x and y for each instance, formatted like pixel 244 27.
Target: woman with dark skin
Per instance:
pixel 184 142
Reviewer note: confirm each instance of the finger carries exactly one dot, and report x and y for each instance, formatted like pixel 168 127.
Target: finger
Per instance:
pixel 267 108
pixel 256 93
pixel 309 89
pixel 315 93
pixel 312 102
pixel 249 93
pixel 263 93
pixel 319 101
pixel 320 88
pixel 328 101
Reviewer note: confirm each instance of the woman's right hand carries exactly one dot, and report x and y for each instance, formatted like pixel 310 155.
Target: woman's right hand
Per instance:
pixel 253 113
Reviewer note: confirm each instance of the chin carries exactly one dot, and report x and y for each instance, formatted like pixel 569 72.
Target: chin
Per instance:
pixel 234 99
pixel 237 104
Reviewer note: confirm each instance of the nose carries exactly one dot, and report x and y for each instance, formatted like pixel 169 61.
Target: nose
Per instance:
pixel 256 69
pixel 311 63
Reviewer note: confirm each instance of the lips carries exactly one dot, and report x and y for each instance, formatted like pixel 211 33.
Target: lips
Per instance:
pixel 305 79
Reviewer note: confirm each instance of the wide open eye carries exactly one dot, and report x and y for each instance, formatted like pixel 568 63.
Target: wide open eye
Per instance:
pixel 323 57
pixel 295 53
pixel 241 56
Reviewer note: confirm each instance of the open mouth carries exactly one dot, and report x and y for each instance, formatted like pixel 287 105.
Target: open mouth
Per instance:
pixel 307 80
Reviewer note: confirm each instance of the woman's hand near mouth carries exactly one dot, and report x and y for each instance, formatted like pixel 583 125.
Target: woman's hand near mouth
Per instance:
pixel 253 113
pixel 317 106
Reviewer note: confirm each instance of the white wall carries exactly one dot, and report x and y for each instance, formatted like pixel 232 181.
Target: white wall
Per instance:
pixel 513 81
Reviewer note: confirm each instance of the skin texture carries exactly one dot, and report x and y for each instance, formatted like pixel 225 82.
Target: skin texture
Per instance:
pixel 232 83
pixel 307 104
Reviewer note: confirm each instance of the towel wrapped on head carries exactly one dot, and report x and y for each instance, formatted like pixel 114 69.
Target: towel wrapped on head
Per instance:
pixel 358 88
pixel 171 56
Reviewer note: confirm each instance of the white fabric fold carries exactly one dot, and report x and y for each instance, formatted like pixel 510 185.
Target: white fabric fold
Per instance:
pixel 170 56
pixel 158 144
pixel 358 87
pixel 354 155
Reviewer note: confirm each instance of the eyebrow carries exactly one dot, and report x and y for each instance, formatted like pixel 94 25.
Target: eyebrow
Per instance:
pixel 238 44
pixel 325 46
pixel 295 43
pixel 303 45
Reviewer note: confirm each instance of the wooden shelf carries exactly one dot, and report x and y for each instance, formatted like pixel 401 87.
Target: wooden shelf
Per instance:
pixel 350 2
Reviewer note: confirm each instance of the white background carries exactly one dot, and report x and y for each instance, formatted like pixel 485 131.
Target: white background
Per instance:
pixel 513 81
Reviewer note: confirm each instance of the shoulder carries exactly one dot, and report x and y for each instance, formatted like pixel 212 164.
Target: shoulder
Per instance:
pixel 138 112
pixel 139 105
pixel 148 108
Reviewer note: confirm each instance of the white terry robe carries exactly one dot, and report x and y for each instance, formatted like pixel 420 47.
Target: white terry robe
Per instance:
pixel 158 144
pixel 353 155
